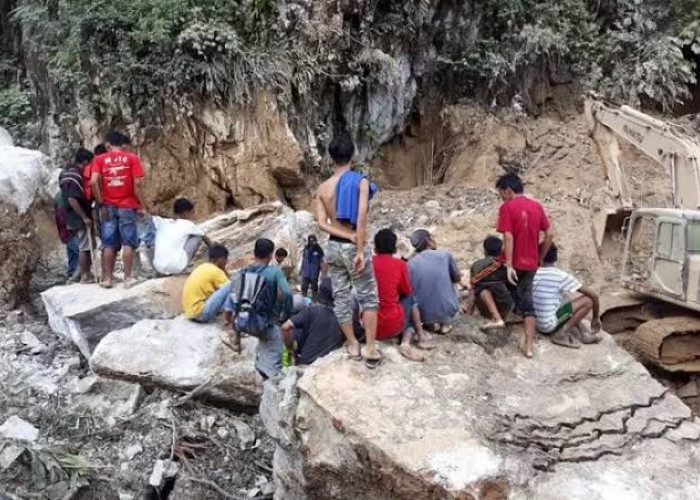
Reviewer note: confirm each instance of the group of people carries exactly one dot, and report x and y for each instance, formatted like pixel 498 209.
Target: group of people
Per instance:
pixel 359 296
pixel 100 203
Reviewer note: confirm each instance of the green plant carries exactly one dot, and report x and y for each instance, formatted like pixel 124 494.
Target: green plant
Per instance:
pixel 17 115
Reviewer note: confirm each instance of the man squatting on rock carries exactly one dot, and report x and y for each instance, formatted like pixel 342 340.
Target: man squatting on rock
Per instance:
pixel 342 210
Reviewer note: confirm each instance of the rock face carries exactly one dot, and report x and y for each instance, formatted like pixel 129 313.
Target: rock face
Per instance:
pixel 219 157
pixel 84 314
pixel 181 355
pixel 239 229
pixel 590 423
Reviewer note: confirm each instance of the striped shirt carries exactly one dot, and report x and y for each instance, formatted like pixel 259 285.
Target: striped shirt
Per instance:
pixel 549 289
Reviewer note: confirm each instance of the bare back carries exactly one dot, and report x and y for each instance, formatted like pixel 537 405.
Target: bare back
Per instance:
pixel 325 204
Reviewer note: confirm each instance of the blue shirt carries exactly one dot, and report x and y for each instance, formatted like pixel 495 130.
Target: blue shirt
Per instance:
pixel 311 262
pixel 433 274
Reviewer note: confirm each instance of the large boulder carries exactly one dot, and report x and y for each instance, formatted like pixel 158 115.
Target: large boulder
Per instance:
pixel 582 424
pixel 181 355
pixel 26 183
pixel 84 314
pixel 238 230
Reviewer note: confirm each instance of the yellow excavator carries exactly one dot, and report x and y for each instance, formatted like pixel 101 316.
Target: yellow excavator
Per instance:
pixel 660 247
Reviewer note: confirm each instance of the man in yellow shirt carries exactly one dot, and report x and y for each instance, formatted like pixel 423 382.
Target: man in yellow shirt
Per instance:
pixel 208 288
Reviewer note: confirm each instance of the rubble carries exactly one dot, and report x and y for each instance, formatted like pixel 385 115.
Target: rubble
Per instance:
pixel 84 314
pixel 465 424
pixel 9 454
pixel 16 428
pixel 181 355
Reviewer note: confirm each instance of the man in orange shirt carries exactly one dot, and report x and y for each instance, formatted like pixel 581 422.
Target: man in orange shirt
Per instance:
pixel 115 178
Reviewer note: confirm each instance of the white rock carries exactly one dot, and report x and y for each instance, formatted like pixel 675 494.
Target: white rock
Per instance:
pixel 9 454
pixel 84 314
pixel 16 428
pixel 30 340
pixel 133 450
pixel 182 355
pixel 162 470
pixel 25 177
pixel 5 138
pixel 244 432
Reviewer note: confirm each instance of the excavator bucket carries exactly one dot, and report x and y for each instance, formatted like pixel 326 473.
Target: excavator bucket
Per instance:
pixel 609 232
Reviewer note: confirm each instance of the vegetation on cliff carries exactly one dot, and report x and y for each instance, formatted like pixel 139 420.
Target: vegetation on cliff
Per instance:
pixel 172 54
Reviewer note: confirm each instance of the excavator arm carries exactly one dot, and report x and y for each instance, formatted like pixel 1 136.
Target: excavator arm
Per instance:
pixel 665 143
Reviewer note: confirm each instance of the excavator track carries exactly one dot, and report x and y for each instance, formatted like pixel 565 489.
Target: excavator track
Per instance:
pixel 672 343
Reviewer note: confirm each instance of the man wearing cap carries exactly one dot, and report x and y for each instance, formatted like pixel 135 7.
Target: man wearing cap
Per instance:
pixel 433 275
pixel 314 331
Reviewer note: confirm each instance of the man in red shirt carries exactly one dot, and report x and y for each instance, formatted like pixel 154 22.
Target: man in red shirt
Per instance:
pixel 115 179
pixel 397 307
pixel 521 219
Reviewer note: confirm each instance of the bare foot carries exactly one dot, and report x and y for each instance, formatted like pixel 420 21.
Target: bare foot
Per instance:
pixel 231 340
pixel 130 282
pixel 407 351
pixel 528 353
pixel 353 350
pixel 105 284
pixel 493 325
pixel 445 329
pixel 425 345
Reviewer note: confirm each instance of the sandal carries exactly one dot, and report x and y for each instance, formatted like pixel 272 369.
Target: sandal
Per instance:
pixel 565 340
pixel 354 357
pixel 226 340
pixel 373 363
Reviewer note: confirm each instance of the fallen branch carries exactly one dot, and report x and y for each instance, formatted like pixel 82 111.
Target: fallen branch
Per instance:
pixel 214 486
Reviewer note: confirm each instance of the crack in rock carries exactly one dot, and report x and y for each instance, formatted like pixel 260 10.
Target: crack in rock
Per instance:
pixel 562 443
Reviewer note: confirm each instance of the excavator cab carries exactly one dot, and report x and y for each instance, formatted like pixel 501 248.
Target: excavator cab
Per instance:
pixel 662 255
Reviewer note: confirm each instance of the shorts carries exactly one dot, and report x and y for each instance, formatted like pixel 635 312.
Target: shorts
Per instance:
pixel 501 296
pixel 553 323
pixel 83 239
pixel 119 228
pixel 407 304
pixel 146 230
pixel 339 257
pixel 522 293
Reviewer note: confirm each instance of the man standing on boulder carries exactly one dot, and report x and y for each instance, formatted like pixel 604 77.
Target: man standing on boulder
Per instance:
pixel 116 177
pixel 78 209
pixel 521 219
pixel 342 210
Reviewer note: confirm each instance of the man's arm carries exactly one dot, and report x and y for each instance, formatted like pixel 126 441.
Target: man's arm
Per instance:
pixel 546 244
pixel 95 179
pixel 454 270
pixel 322 219
pixel 362 213
pixel 75 205
pixel 595 323
pixel 285 293
pixel 287 337
pixel 138 193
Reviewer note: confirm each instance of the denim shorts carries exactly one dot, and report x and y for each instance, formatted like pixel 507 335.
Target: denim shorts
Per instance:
pixel 119 228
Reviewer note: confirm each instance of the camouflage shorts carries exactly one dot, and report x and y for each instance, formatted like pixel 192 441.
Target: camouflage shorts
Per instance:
pixel 339 257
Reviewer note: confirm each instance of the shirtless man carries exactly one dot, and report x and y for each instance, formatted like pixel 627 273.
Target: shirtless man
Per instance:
pixel 345 219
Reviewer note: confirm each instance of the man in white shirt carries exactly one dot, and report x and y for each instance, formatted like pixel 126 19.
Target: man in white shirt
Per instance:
pixel 177 240
pixel 555 313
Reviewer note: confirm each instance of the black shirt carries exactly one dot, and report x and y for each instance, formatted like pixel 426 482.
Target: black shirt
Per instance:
pixel 316 332
pixel 71 183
